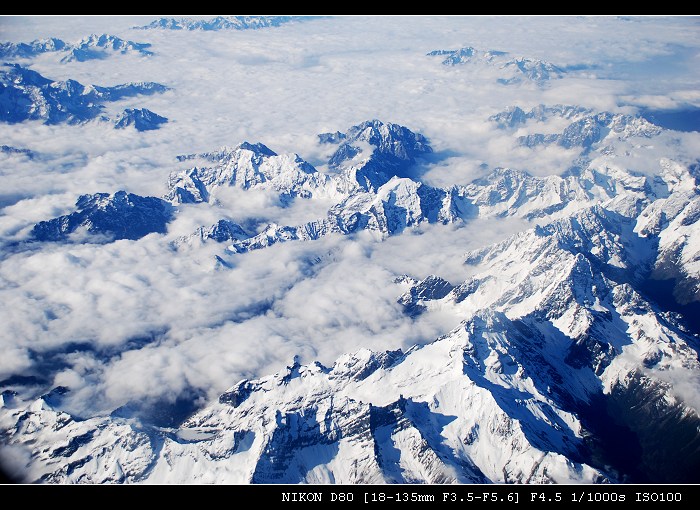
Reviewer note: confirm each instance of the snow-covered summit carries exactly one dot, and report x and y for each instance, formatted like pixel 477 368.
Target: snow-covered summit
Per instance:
pixel 106 217
pixel 247 166
pixel 373 152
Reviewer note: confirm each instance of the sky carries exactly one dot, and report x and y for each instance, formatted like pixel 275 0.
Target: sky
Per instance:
pixel 134 320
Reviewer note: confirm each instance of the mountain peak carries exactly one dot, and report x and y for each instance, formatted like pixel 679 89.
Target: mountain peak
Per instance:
pixel 105 217
pixel 141 118
pixel 257 148
pixel 252 165
pixel 374 151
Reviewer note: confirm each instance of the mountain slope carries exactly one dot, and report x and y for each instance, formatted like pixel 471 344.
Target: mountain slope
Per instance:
pixel 312 424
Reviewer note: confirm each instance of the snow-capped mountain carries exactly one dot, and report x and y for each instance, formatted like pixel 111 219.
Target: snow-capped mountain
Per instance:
pixel 397 205
pixel 99 46
pixel 249 166
pixel 366 180
pixel 27 95
pixel 221 232
pixel 221 23
pixel 585 130
pixel 373 158
pixel 9 50
pixel 91 47
pixel 514 70
pixel 141 118
pixel 430 288
pixel 514 116
pixel 531 69
pixel 466 54
pixel 368 156
pixel 373 152
pixel 103 217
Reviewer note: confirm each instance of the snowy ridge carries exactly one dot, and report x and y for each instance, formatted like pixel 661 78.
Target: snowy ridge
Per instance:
pixel 516 69
pixel 26 50
pixel 510 192
pixel 91 47
pixel 27 95
pixel 399 204
pixel 249 166
pixel 514 116
pixel 585 130
pixel 220 232
pixel 221 23
pixel 534 70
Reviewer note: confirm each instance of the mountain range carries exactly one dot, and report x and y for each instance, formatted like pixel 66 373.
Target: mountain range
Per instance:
pixel 516 70
pixel 557 372
pixel 560 368
pixel 221 23
pixel 92 47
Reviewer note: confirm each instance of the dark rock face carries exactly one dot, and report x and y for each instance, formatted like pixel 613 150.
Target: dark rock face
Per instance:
pixel 141 118
pixel 109 217
pixel 394 150
pixel 432 287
